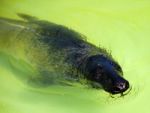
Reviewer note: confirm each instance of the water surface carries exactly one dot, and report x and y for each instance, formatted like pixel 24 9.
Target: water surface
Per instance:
pixel 120 26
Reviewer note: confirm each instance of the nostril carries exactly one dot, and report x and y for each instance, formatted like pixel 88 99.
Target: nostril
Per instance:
pixel 116 89
pixel 121 85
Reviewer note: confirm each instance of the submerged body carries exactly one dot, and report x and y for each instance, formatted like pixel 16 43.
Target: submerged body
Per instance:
pixel 60 54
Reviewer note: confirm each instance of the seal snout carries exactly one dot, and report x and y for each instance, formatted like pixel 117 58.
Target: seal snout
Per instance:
pixel 120 87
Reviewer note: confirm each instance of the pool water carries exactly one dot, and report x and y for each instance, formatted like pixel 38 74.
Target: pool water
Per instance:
pixel 122 27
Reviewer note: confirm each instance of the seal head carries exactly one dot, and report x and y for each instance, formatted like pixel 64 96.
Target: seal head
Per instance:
pixel 107 73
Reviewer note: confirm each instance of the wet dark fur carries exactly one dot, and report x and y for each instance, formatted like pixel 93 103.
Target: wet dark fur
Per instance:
pixel 67 47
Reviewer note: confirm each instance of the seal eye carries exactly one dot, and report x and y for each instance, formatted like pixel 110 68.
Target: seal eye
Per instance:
pixel 99 71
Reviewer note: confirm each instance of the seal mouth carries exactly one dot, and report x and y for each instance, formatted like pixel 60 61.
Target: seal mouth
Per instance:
pixel 122 94
pixel 126 92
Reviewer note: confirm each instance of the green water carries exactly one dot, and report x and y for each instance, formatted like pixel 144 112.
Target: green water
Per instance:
pixel 121 26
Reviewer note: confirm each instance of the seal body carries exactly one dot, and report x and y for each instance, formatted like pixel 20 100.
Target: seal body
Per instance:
pixel 60 54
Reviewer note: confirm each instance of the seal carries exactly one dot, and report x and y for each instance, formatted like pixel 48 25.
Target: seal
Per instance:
pixel 61 54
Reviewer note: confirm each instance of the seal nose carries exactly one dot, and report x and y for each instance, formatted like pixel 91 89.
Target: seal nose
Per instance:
pixel 121 86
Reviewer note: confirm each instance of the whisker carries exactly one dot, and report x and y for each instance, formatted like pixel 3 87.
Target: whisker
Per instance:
pixel 123 94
